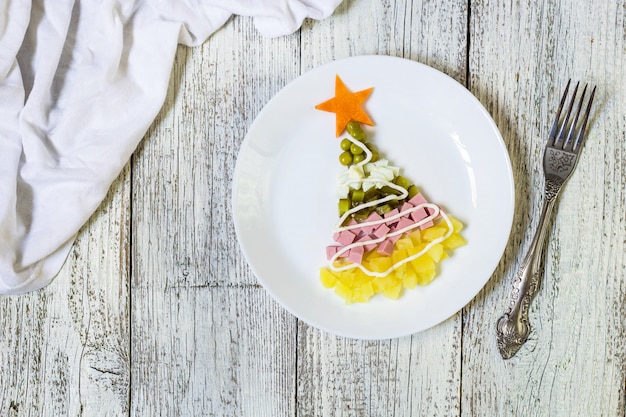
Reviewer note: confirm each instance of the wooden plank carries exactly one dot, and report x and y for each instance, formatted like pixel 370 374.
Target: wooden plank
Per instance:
pixel 522 53
pixel 421 374
pixel 216 351
pixel 207 339
pixel 64 350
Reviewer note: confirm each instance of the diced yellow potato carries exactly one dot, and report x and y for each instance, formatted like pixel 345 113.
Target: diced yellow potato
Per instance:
pixel 370 255
pixel 360 278
pixel 433 233
pixel 423 263
pixel 410 280
pixel 355 286
pixel 394 291
pixel 398 255
pixel 436 252
pixel 416 237
pixel 346 277
pixel 378 285
pixel 403 243
pixel 416 249
pixel 389 281
pixel 357 296
pixel 380 264
pixel 344 292
pixel 454 241
pixel 456 224
pixel 426 277
pixel 341 262
pixel 367 291
pixel 328 278
pixel 400 271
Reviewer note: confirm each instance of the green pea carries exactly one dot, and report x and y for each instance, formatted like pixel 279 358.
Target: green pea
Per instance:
pixel 345 145
pixel 354 129
pixel 356 149
pixel 357 159
pixel 345 158
pixel 374 151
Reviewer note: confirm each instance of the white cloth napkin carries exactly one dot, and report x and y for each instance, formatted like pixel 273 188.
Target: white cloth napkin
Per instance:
pixel 80 83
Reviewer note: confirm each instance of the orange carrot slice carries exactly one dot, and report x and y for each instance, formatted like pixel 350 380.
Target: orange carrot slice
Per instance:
pixel 347 106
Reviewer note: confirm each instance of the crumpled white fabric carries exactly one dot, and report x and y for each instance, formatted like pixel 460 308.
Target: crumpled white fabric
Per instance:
pixel 80 83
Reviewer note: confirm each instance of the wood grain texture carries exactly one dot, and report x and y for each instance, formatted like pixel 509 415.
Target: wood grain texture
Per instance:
pixel 157 313
pixel 344 377
pixel 573 363
pixel 206 339
pixel 65 350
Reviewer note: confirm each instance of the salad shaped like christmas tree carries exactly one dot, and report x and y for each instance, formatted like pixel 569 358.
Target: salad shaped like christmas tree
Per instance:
pixel 388 237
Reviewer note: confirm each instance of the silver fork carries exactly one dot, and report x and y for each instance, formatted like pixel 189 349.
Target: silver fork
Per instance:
pixel 559 160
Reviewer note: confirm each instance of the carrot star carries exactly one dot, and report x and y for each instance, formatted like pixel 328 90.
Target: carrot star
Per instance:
pixel 347 106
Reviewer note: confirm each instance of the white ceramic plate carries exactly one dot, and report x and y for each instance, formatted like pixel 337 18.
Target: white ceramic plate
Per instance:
pixel 284 191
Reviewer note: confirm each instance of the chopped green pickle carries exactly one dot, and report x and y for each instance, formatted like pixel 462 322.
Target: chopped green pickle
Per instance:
pixel 402 182
pixel 357 196
pixel 355 130
pixel 385 208
pixel 344 205
pixel 362 215
pixel 387 190
pixel 372 194
pixel 412 191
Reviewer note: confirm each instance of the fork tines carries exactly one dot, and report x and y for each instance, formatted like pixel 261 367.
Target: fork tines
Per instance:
pixel 563 133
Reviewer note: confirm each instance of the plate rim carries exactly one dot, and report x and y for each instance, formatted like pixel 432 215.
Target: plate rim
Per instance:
pixel 302 78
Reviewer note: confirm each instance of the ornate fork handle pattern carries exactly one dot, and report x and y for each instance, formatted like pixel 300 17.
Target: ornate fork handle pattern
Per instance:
pixel 559 160
pixel 513 327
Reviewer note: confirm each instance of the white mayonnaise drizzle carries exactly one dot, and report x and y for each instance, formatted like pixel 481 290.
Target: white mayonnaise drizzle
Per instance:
pixel 379 183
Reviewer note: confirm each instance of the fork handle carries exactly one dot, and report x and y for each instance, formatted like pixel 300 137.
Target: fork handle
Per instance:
pixel 513 327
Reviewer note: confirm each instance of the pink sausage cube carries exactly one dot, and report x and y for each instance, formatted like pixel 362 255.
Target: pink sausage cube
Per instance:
pixel 385 248
pixel 367 247
pixel 371 218
pixel 404 222
pixel 427 225
pixel 395 238
pixel 418 199
pixel 357 230
pixel 345 238
pixel 355 254
pixel 419 214
pixel 391 213
pixel 405 207
pixel 381 230
pixel 331 251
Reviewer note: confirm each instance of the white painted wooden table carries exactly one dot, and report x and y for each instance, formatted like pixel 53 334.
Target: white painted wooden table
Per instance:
pixel 157 313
